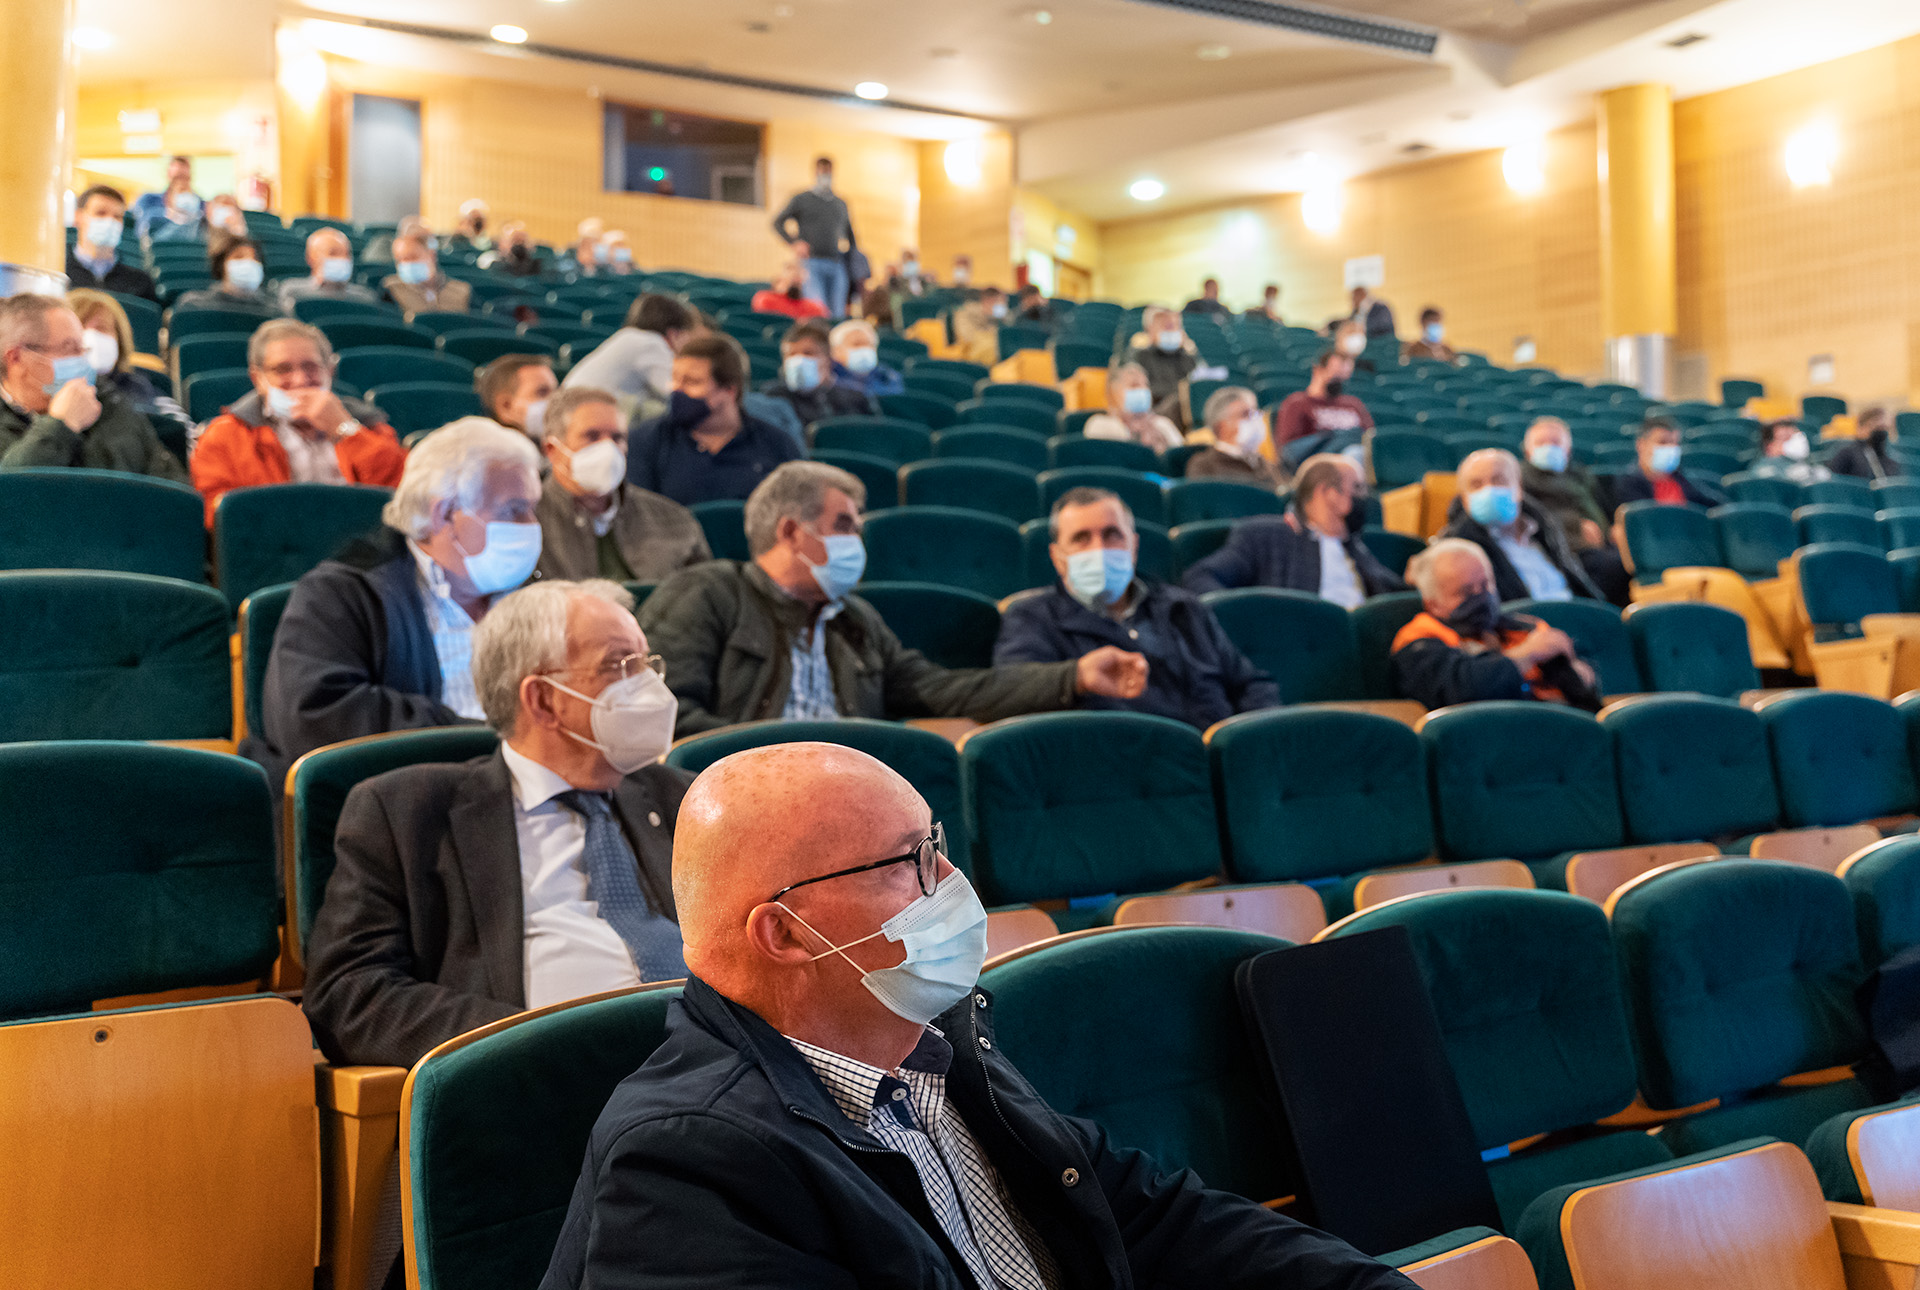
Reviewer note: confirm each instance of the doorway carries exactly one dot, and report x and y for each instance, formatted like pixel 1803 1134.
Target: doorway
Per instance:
pixel 384 159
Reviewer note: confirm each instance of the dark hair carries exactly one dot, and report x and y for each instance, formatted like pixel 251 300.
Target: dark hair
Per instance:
pixel 807 329
pixel 1429 312
pixel 1772 428
pixel 1654 425
pixel 723 355
pixel 98 190
pixel 498 379
pixel 1317 474
pixel 221 249
pixel 823 161
pixel 1082 496
pixel 179 156
pixel 655 312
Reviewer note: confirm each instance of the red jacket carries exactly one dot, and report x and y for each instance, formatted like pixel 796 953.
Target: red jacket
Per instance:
pixel 773 302
pixel 238 451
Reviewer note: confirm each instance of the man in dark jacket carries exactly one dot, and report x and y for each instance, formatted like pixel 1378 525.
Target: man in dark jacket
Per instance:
pixel 816 1118
pixel 50 412
pixel 99 221
pixel 807 381
pixel 1162 350
pixel 1866 456
pixel 782 637
pixel 707 446
pixel 1315 547
pixel 1527 549
pixel 1195 673
pixel 1658 477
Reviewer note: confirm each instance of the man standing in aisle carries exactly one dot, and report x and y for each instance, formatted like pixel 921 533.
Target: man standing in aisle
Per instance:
pixel 822 235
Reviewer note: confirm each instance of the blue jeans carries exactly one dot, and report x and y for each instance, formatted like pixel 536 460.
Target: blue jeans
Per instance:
pixel 827 283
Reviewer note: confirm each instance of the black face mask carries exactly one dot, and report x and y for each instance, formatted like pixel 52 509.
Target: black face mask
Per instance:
pixel 684 412
pixel 1877 438
pixel 520 253
pixel 793 293
pixel 1476 616
pixel 1335 388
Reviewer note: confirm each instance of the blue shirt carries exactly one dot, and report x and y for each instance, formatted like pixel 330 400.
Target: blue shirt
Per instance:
pixel 810 694
pixel 881 380
pixel 664 459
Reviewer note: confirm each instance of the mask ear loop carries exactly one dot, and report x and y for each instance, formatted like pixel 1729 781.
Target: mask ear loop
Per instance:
pixel 841 950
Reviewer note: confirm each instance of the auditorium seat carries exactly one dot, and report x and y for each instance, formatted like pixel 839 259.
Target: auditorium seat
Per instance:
pixel 1403 457
pixel 896 440
pixel 1834 523
pixel 724 524
pixel 1870 1157
pixel 1754 536
pixel 1600 636
pixel 1303 642
pixel 482 345
pixel 1691 769
pixel 991 487
pixel 1064 450
pixel 1839 759
pixel 277 532
pixel 1894 493
pixel 1394 550
pixel 192 355
pixel 1144 493
pixel 183 323
pixel 72 518
pixel 1021 392
pixel 944 386
pixel 1376 621
pixel 933 413
pixel 346 332
pixel 1850 602
pixel 954 628
pixel 1688 645
pixel 206 395
pixel 425 405
pixel 1899 527
pixel 1010 412
pixel 1841 490
pixel 1191 501
pixel 1667 537
pixel 1196 541
pixel 880 475
pixel 1884 881
pixel 257 620
pixel 945 545
pixel 1743 487
pixel 1008 445
pixel 315 309
pixel 368 366
pixel 1471 1258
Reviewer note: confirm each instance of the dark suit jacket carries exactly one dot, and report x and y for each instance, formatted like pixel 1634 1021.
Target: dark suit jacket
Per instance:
pixel 1507 582
pixel 122 277
pixel 1278 551
pixel 420 936
pixel 1634 486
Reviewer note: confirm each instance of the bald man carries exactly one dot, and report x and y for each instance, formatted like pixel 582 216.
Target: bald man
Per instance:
pixel 805 1125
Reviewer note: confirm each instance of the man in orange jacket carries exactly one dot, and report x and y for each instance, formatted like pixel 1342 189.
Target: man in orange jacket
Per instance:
pixel 293 428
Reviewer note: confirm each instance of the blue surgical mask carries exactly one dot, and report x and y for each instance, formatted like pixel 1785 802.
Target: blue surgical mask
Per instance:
pixel 862 360
pixel 622 255
pixel 105 231
pixel 1432 332
pixel 506 560
pixel 336 268
pixel 945 936
pixel 187 204
pixel 1136 400
pixel 245 275
pixel 801 372
pixel 1665 458
pixel 1550 457
pixel 76 368
pixel 846 562
pixel 1494 505
pixel 1099 576
pixel 414 273
pixel 1168 341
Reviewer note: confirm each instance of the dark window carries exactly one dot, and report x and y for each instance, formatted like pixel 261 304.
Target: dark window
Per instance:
pixel 672 153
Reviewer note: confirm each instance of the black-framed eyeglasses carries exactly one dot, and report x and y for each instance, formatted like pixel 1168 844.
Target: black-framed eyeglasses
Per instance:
pixel 925 859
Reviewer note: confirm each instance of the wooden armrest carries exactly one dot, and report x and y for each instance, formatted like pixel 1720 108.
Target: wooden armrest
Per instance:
pixel 1884 1236
pixel 1891 625
pixel 361 1091
pixel 1496 1263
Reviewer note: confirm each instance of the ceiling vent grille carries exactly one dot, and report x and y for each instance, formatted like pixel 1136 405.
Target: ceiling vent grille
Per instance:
pixel 1317 22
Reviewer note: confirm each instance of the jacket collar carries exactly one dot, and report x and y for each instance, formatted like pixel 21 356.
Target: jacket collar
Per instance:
pixel 487 861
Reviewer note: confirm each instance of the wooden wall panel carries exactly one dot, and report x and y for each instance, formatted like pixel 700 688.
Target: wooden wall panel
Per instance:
pixel 959 219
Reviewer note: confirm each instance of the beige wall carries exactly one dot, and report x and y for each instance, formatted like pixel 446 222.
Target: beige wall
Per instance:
pixel 961 219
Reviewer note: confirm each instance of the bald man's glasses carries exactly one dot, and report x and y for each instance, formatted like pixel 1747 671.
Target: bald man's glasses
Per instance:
pixel 924 858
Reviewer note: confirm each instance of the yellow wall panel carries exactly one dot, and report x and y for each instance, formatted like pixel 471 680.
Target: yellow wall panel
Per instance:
pixel 968 218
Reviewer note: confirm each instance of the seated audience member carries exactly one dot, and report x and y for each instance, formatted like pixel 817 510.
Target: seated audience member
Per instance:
pixel 172 214
pixel 50 412
pixel 786 293
pixel 781 635
pixel 1208 301
pixel 514 389
pixel 471 233
pixel 563 837
pixel 856 360
pixel 293 428
pixel 1783 454
pixel 1164 353
pixel 769 1138
pixel 976 326
pixel 706 447
pixel 636 362
pixel 224 217
pixel 513 254
pixel 1527 551
pixel 590 251
pixel 619 253
pixel 1322 417
pixel 1195 673
pixel 593 523
pixel 1350 338
pixel 330 257
pixel 909 278
pixel 876 301
pixel 1031 307
pixel 1233 434
pixel 416 283
pixel 100 221
pixel 807 382
pixel 380 637
pixel 1564 492
pixel 1269 306
pixel 109 341
pixel 1372 313
pixel 1130 415
pixel 379 246
pixel 238 278
pixel 1657 476
pixel 1315 547
pixel 1866 456
pixel 1461 648
pixel 1432 343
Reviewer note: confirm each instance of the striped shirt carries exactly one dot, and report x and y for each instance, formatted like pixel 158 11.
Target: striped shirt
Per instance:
pixel 810 695
pixel 907 1110
pixel 452 636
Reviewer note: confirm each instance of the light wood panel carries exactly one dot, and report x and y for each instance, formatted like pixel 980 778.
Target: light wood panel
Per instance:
pixel 1012 929
pixel 1496 1263
pixel 1289 910
pixel 968 219
pixel 1391 884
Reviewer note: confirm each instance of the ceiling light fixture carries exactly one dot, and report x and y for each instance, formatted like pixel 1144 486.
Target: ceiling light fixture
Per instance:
pixel 870 90
pixel 91 38
pixel 1321 203
pixel 1810 154
pixel 1525 167
pixel 508 34
pixel 1146 190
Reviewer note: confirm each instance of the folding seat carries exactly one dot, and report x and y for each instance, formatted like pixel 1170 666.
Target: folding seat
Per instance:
pixel 1754 536
pixel 1841 490
pixel 1600 636
pixel 1394 550
pixel 214 352
pixel 976 485
pixel 945 545
pixel 68 518
pixel 1899 527
pixel 940 385
pixel 1839 760
pixel 1075 422
pixel 1849 619
pixel 321 307
pixel 952 627
pixel 436 324
pixel 258 619
pixel 973 372
pixel 368 366
pixel 483 345
pixel 1667 537
pixel 1069 356
pixel 1738 392
pixel 1193 500
pixel 412 406
pixel 896 440
pixel 1067 450
pixel 1683 645
pixel 1006 444
pixel 1895 494
pixel 1401 458
pixel 1677 555
pixel 1303 642
pixel 278 532
pixel 1144 494
pixel 185 323
pixel 1376 621
pixel 880 475
pixel 1044 395
pixel 356 333
pixel 1011 339
pixel 1884 881
pixel 1831 523
pixel 1196 541
pixel 1010 412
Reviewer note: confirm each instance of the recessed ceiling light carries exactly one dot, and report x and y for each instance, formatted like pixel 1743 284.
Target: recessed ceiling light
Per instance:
pixel 1146 190
pixel 1211 53
pixel 91 38
pixel 508 34
pixel 870 90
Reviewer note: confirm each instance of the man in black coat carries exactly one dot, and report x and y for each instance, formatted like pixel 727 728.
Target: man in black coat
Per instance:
pixel 99 219
pixel 1315 547
pixel 804 1125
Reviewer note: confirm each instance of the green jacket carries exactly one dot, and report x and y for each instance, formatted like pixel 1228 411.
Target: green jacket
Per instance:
pixel 122 439
pixel 727 632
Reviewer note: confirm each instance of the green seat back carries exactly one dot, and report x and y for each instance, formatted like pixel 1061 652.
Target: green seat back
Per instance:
pixel 1074 804
pixel 215 351
pixel 1044 395
pixel 369 366
pixel 1394 550
pixel 1895 494
pixel 277 532
pixel 1668 537
pixel 143 316
pixel 1139 1030
pixel 1824 406
pixel 1065 450
pixel 128 868
pixel 939 385
pixel 1885 885
pixel 1827 522
pixel 1899 527
pixel 1008 445
pixel 945 545
pixel 1520 780
pixel 894 440
pixel 1154 559
pixel 1303 642
pixel 484 344
pixel 925 409
pixel 1193 500
pixel 205 395
pixel 1006 412
pixel 353 331
pixel 1402 457
pixel 1754 536
pixel 259 619
pixel 1597 633
pixel 1196 541
pixel 878 474
pixel 425 405
pixel 1691 645
pixel 1838 758
pixel 724 522
pixel 1144 493
pixel 1318 792
pixel 952 627
pixel 972 484
pixel 1843 582
pixel 1376 621
pixel 1692 768
pixel 1841 490
pixel 497 1130
pixel 1737 392
pixel 1765 489
pixel 1075 422
pixel 1069 356
pixel 317 788
pixel 975 372
pixel 62 517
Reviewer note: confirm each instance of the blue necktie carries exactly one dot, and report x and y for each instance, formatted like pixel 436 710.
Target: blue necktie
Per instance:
pixel 613 882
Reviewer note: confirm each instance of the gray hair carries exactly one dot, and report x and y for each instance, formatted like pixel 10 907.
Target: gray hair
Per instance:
pixel 566 401
pixel 1511 462
pixel 841 334
pixel 327 233
pixel 1153 313
pixel 796 490
pixel 1223 398
pixel 525 634
pixel 1119 370
pixel 286 329
pixel 1551 423
pixel 23 319
pixel 1423 571
pixel 451 464
pixel 1084 496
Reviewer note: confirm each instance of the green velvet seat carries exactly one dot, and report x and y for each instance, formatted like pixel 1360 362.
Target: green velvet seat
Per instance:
pixel 1139 1029
pixel 924 759
pixel 945 545
pixel 1026 391
pixel 1144 493
pixel 1531 1013
pixel 346 331
pixel 898 441
pixel 1084 804
pixel 879 475
pixel 1738 974
pixel 425 405
pixel 1402 457
pixel 1755 536
pixel 129 868
pixel 724 522
pixel 1521 781
pixel 1884 882
pixel 1392 549
pixel 317 788
pixel 1002 412
pixel 925 410
pixel 1744 488
pixel 1193 500
pixel 1064 450
pixel 1667 537
pixel 1838 758
pixel 1376 621
pixel 259 618
pixel 278 532
pixel 1008 445
pixel 1194 542
pixel 1599 635
pixel 496 1130
pixel 1155 559
pixel 952 627
pixel 1303 642
pixel 1834 1159
pixel 973 484
pixel 1841 490
pixel 87 655
pixel 70 518
pixel 484 344
pixel 1843 582
pixel 1689 645
pixel 1692 768
pixel 369 366
pixel 1827 522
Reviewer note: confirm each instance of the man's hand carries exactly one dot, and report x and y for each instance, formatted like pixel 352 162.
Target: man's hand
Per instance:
pixel 319 413
pixel 801 250
pixel 1112 673
pixel 76 404
pixel 1539 645
pixel 1592 534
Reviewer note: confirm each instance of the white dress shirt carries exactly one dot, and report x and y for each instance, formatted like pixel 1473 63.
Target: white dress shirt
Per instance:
pixel 1339 580
pixel 1535 567
pixel 452 634
pixel 569 950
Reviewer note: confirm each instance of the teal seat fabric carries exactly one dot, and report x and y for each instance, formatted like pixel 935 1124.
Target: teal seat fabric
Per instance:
pixel 259 618
pixel 1520 780
pixel 277 532
pixel 484 344
pixel 497 1129
pixel 1065 450
pixel 1194 542
pixel 879 475
pixel 1754 536
pixel 193 355
pixel 1599 635
pixel 1838 758
pixel 1139 1029
pixel 952 627
pixel 724 522
pixel 923 409
pixel 1318 792
pixel 1394 550
pixel 1076 804
pixel 1376 621
pixel 1905 564
pixel 1841 490
pixel 946 545
pixel 898 441
pixel 1691 645
pixel 1894 494
pixel 355 332
pixel 1885 885
pixel 1692 768
pixel 973 372
pixel 1668 537
pixel 1402 457
pixel 1843 582
pixel 1144 494
pixel 939 385
pixel 369 366
pixel 64 517
pixel 1007 445
pixel 129 868
pixel 973 484
pixel 425 405
pixel 1792 1114
pixel 1899 528
pixel 1745 487
pixel 1193 500
pixel 206 395
pixel 1831 523
pixel 143 317
pixel 1155 558
pixel 1303 642
pixel 87 655
pixel 317 788
pixel 1009 412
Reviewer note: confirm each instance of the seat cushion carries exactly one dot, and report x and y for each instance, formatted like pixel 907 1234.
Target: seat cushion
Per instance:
pixel 1519 1178
pixel 1691 768
pixel 1838 758
pixel 1520 781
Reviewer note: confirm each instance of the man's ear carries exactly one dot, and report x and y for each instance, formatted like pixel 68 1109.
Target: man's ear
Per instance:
pixel 775 934
pixel 540 702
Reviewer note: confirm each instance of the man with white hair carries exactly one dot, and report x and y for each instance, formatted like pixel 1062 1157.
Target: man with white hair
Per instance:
pixel 380 637
pixel 1527 550
pixel 1461 647
pixel 856 360
pixel 330 257
pixel 464 893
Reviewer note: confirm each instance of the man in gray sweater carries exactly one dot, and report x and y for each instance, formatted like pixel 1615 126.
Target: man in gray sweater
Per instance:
pixel 822 234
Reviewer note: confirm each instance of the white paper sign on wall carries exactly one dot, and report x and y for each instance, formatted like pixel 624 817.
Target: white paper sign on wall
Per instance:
pixel 1369 271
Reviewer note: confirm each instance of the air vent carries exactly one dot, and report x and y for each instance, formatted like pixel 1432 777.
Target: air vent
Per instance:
pixel 1317 22
pixel 1691 38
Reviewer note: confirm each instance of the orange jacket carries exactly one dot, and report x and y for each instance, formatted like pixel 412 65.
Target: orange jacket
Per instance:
pixel 1424 626
pixel 235 453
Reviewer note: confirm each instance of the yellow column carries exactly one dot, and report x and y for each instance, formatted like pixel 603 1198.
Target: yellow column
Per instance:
pixel 1638 310
pixel 36 66
pixel 303 97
